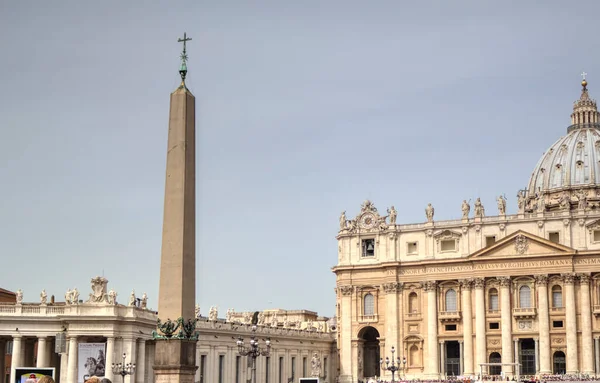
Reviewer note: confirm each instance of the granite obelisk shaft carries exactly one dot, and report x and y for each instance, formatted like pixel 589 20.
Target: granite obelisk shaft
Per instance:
pixel 175 359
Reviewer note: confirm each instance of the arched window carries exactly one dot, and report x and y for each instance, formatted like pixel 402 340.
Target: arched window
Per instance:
pixel 369 303
pixel 415 360
pixel 493 301
pixel 525 297
pixel 557 296
pixel 451 300
pixel 413 303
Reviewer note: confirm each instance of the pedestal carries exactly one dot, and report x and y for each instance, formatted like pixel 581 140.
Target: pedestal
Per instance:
pixel 175 361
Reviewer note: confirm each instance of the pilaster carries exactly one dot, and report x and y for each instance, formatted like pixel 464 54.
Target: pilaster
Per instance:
pixel 141 361
pixel 110 357
pixel 2 361
pixel 72 361
pixel 345 326
pixel 17 355
pixel 432 370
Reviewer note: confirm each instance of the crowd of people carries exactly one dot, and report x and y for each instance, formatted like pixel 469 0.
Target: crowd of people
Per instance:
pixel 495 378
pixel 48 379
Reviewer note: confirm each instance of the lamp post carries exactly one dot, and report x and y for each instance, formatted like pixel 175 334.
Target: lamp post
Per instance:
pixel 253 351
pixel 394 366
pixel 123 368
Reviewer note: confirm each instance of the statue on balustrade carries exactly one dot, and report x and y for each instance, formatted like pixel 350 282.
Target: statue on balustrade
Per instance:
pixel 43 297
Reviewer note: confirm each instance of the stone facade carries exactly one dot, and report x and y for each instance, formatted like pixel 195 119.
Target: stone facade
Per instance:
pixel 453 295
pixel 28 332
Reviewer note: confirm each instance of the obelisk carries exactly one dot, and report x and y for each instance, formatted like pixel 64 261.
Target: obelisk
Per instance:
pixel 175 356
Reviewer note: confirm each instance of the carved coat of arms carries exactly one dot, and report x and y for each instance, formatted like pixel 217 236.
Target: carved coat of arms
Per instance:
pixel 521 244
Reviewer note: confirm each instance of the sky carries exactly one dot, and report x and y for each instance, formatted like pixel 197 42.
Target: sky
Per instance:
pixel 303 110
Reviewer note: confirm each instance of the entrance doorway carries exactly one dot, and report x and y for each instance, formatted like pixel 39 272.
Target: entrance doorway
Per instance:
pixel 370 337
pixel 559 363
pixel 495 358
pixel 452 358
pixel 527 356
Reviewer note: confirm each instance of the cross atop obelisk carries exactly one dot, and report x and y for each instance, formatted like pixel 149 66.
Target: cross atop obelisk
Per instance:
pixel 176 336
pixel 184 57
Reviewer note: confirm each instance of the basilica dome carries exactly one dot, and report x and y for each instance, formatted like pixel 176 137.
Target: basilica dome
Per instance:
pixel 573 161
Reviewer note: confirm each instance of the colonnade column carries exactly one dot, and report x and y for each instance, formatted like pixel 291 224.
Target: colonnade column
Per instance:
pixel 110 357
pixel 432 330
pixel 345 328
pixel 129 348
pixel 587 352
pixel 72 361
pixel 42 352
pixel 597 354
pixel 140 370
pixel 571 317
pixel 467 357
pixel 17 355
pixel 480 339
pixel 506 318
pixel 2 361
pixel 442 357
pixel 544 324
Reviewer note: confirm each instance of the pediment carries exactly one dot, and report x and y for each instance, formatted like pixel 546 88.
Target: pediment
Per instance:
pixel 447 234
pixel 522 244
pixel 593 225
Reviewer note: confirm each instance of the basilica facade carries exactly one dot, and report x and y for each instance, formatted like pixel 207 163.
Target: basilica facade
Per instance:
pixel 484 294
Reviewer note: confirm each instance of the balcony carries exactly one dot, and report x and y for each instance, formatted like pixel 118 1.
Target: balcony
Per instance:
pixel 596 310
pixel 524 313
pixel 449 316
pixel 368 318
pixel 493 313
pixel 557 310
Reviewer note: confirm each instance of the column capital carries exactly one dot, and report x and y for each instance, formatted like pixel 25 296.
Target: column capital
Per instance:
pixel 466 284
pixel 584 278
pixel 504 281
pixel 17 336
pixel 541 280
pixel 346 290
pixel 479 283
pixel 429 285
pixel 393 287
pixel 568 278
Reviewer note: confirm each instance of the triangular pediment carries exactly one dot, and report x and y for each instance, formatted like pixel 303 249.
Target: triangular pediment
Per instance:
pixel 522 244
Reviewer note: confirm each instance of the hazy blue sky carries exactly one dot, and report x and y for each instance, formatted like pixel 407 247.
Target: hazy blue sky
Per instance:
pixel 304 109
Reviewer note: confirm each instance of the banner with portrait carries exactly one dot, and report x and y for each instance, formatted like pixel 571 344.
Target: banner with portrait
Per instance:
pixel 32 374
pixel 91 361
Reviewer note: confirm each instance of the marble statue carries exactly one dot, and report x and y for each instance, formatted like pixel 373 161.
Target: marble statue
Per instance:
pixel 229 315
pixel 144 301
pixel 19 296
pixel 75 296
pixel 98 294
pixel 466 209
pixel 309 325
pixel 315 366
pixel 43 297
pixel 112 297
pixel 132 298
pixel 320 327
pixel 247 317
pixel 343 220
pixel 541 204
pixel 286 323
pixel 352 225
pixel 68 297
pixel 564 201
pixel 213 313
pixel 582 196
pixel 479 209
pixel 261 318
pixel 197 311
pixel 274 321
pixel 501 205
pixel 429 211
pixel 393 214
pixel 521 201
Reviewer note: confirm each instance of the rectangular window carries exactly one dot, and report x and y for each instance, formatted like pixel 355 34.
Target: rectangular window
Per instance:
pixel 554 237
pixel 281 369
pixel 9 347
pixel 596 235
pixel 238 362
pixel 293 367
pixel 325 367
pixel 221 367
pixel 304 366
pixel 448 245
pixel 494 326
pixel 202 367
pixel 557 324
pixel 557 299
pixel 411 248
pixel 450 327
pixel 489 241
pixel 267 369
pixel 368 247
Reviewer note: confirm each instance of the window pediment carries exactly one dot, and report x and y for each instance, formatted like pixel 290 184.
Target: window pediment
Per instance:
pixel 446 234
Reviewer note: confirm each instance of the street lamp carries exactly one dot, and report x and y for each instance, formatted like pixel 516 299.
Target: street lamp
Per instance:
pixel 123 368
pixel 394 366
pixel 254 350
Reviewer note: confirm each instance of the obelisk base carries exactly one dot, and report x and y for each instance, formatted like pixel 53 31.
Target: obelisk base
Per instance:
pixel 175 361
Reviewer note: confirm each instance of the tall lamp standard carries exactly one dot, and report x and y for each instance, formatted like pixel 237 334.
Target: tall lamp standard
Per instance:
pixel 394 366
pixel 123 368
pixel 253 351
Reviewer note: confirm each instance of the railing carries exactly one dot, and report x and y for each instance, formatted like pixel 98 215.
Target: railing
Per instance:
pixel 413 316
pixel 7 309
pixel 30 310
pixel 557 310
pixel 447 316
pixel 368 318
pixel 493 313
pixel 54 310
pixel 524 312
